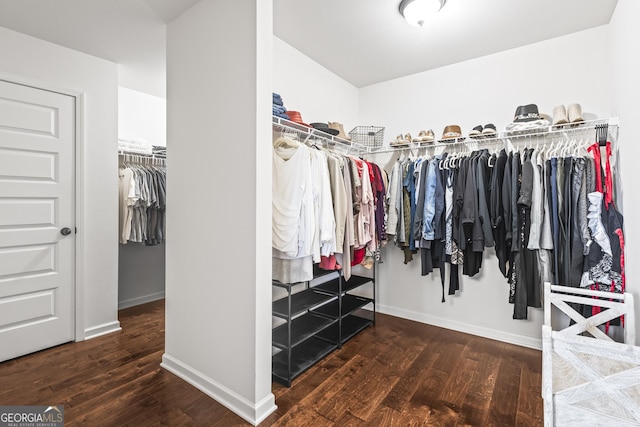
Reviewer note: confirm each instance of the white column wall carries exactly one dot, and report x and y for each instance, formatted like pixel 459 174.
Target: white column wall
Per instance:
pixel 481 91
pixel 40 61
pixel 625 65
pixel 218 288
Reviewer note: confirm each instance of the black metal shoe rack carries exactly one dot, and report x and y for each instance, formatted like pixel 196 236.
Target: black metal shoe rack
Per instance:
pixel 318 319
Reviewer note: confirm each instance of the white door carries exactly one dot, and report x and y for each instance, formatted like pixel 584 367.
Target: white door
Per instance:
pixel 37 179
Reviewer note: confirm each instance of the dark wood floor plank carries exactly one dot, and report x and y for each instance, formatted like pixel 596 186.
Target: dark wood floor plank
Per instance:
pixel 385 417
pixel 400 355
pixel 483 381
pixel 530 403
pixel 302 416
pixel 161 417
pixel 427 406
pixel 396 373
pixel 337 405
pixel 348 420
pixel 455 389
pixel 504 400
pixel 406 386
pixel 324 391
pixel 369 396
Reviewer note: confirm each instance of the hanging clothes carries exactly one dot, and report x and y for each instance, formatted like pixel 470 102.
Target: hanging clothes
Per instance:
pixel 550 217
pixel 293 213
pixel 142 201
pixel 325 211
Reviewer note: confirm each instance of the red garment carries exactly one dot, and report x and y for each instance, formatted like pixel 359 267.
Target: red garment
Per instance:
pixel 608 194
pixel 608 199
pixel 372 176
pixel 358 256
pixel 607 189
pixel 329 263
pixel 377 184
pixel 358 163
pixel 595 149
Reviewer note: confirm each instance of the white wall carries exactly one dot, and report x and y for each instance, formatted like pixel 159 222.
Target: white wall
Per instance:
pixel 31 58
pixel 308 87
pixel 480 91
pixel 488 89
pixel 218 304
pixel 625 64
pixel 141 274
pixel 141 115
pixel 141 269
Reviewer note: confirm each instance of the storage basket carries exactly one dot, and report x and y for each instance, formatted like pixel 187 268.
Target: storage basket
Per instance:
pixel 369 136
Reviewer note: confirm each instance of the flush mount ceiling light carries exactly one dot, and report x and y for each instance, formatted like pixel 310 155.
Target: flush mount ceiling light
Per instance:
pixel 420 12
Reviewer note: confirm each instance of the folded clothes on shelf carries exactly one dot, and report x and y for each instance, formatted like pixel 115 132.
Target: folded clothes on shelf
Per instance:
pixel 279 109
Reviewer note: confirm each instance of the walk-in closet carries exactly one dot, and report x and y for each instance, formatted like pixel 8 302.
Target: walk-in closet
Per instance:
pixel 320 213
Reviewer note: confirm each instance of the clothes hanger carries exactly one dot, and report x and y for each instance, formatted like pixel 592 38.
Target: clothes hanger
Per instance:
pixel 602 134
pixel 577 145
pixel 286 142
pixel 492 156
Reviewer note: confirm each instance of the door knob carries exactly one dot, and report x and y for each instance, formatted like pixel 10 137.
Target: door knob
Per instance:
pixel 65 231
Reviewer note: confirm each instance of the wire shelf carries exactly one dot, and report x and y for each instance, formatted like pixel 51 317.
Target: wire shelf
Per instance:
pixel 512 138
pixel 309 135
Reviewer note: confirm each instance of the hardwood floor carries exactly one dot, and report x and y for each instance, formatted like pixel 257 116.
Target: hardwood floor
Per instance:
pixel 398 373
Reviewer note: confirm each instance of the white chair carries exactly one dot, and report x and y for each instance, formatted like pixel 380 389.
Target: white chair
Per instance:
pixel 589 381
pixel 617 304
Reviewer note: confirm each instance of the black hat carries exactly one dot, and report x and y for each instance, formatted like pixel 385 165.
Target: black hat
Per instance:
pixel 324 127
pixel 526 113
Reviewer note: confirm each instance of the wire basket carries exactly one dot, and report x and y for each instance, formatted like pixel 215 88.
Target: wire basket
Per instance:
pixel 369 136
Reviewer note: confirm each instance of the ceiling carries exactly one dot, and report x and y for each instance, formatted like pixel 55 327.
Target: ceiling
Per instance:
pixel 368 41
pixel 362 41
pixel 129 32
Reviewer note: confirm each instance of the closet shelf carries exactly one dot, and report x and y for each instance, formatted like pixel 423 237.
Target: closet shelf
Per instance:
pixel 505 137
pixel 300 302
pixel 302 328
pixel 333 286
pixel 319 272
pixel 350 303
pixel 318 319
pixel 309 133
pixel 351 326
pixel 302 358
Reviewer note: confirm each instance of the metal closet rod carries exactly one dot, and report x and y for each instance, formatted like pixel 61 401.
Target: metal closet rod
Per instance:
pixel 308 133
pixel 544 132
pixel 132 156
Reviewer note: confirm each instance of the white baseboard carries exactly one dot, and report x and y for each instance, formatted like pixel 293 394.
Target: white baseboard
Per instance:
pixel 480 331
pixel 253 413
pixel 140 300
pixel 100 330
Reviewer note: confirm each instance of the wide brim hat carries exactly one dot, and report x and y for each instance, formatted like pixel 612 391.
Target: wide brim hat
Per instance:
pixel 527 118
pixel 324 127
pixel 529 113
pixel 451 132
pixel 296 117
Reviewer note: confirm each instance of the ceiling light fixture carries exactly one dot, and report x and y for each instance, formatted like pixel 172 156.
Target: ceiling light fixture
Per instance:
pixel 420 12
